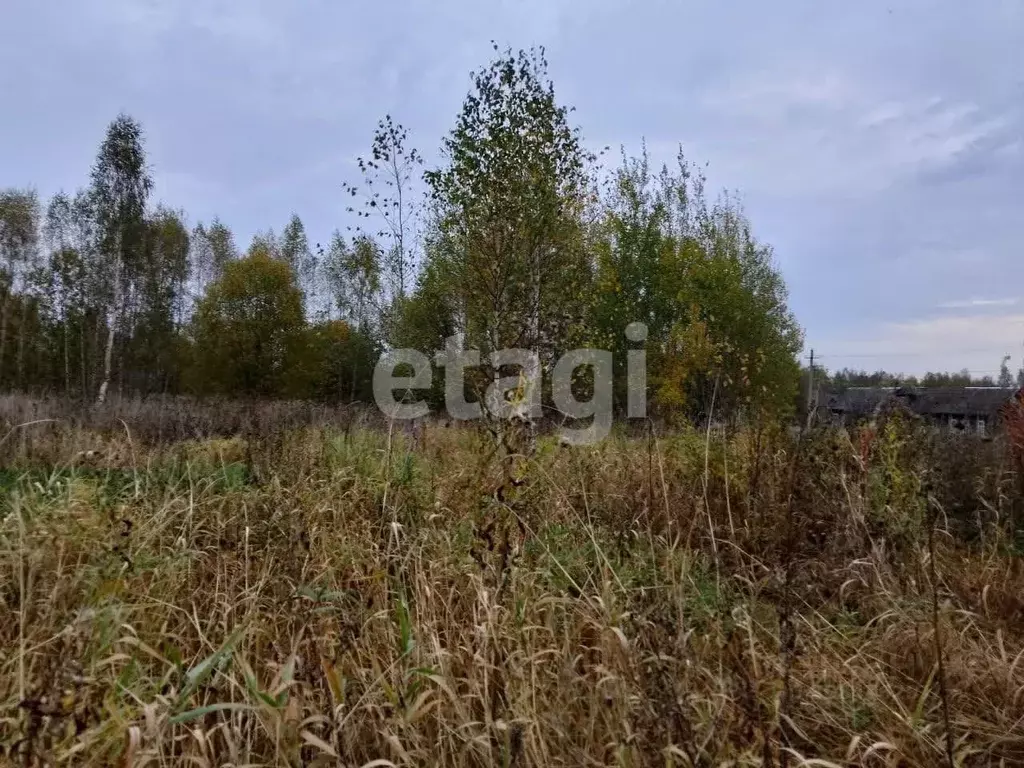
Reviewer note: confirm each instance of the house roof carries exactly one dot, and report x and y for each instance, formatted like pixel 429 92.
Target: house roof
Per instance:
pixel 860 401
pixel 933 401
pixel 980 401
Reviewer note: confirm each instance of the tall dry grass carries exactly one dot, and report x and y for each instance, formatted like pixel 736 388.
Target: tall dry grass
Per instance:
pixel 317 596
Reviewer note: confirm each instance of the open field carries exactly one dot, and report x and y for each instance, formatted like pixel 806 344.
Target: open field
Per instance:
pixel 352 596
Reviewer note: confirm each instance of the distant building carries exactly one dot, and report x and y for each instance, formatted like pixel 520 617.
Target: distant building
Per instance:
pixel 974 409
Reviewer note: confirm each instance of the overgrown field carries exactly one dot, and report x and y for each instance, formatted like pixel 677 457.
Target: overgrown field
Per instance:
pixel 318 596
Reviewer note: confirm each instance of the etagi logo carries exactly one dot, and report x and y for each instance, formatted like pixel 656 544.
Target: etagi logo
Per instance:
pixel 517 396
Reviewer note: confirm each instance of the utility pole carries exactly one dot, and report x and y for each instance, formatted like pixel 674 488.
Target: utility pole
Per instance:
pixel 810 384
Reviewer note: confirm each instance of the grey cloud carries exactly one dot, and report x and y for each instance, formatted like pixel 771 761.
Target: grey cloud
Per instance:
pixel 877 146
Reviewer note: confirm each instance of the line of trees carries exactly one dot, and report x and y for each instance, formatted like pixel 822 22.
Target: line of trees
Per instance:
pixel 516 240
pixel 847 377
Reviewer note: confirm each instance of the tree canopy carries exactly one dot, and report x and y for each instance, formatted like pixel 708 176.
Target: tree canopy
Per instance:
pixel 516 237
pixel 248 327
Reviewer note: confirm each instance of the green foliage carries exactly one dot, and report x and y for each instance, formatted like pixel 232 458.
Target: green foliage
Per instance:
pixel 19 235
pixel 353 274
pixel 425 319
pixel 508 203
pixel 845 378
pixel 897 502
pixel 714 303
pixel 151 357
pixel 19 231
pixel 740 298
pixel 296 253
pixel 248 328
pixel 70 298
pixel 120 188
pixel 212 248
pixel 337 363
pixel 520 249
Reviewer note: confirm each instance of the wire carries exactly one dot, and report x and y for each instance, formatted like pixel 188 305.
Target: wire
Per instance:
pixel 908 354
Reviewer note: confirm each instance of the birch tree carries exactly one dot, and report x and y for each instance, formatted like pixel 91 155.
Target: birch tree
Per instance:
pixel 508 205
pixel 120 189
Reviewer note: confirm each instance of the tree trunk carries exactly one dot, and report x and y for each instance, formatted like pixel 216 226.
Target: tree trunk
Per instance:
pixel 533 375
pixel 3 334
pixel 496 420
pixel 112 319
pixel 82 366
pixel 126 353
pixel 101 398
pixel 21 343
pixel 67 362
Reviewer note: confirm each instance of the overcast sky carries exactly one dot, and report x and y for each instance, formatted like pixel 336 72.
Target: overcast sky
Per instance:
pixel 878 146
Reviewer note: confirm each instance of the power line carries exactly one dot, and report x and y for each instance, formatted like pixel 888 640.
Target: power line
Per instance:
pixel 813 357
pixel 913 354
pixel 953 371
pixel 956 370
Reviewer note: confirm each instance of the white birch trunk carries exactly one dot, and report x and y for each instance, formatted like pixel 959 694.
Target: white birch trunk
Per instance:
pixel 112 325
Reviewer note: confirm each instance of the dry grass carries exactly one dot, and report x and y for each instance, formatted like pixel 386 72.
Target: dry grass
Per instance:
pixel 322 597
